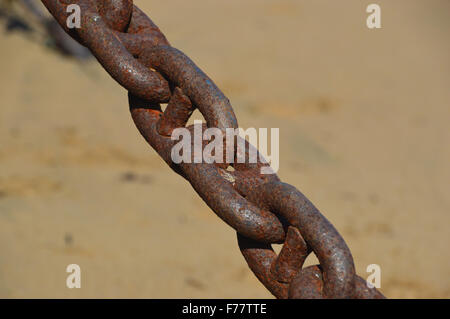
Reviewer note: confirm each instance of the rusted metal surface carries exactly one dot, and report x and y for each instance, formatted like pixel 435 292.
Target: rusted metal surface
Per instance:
pixel 262 209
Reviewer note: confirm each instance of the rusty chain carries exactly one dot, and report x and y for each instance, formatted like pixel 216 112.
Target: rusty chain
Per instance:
pixel 262 209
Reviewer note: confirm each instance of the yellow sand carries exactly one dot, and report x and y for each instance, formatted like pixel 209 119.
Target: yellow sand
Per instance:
pixel 364 134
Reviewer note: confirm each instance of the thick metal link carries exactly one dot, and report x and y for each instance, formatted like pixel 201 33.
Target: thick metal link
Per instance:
pixel 261 208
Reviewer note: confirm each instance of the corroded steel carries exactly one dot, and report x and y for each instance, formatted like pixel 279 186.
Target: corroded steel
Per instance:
pixel 262 209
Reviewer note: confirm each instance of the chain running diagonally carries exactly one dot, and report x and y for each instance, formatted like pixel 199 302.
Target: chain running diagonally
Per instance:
pixel 262 209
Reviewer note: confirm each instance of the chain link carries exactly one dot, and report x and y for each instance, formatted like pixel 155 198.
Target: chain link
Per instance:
pixel 262 209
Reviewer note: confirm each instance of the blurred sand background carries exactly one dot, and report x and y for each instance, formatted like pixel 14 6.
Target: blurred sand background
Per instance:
pixel 364 124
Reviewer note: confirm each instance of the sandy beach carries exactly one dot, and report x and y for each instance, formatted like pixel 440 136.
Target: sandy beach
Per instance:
pixel 364 134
